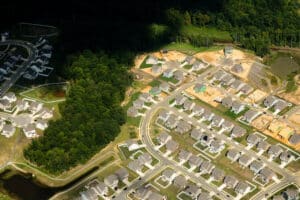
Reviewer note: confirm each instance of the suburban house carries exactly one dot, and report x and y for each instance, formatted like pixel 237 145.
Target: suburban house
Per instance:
pixel 183 127
pixel 286 156
pixel 245 160
pixel 198 66
pixel 219 75
pixel 35 106
pixel 230 181
pixel 99 187
pixel 237 68
pixel 184 155
pixel 197 110
pixel 168 175
pixel 256 166
pixel 135 166
pixel 270 101
pixel 188 105
pixel 228 50
pixel 227 80
pixel 237 85
pixel 280 106
pixel 227 125
pixel 238 132
pixel 246 89
pixel 242 188
pixel 4 104
pixel 132 112
pixel 217 174
pixel 178 75
pixel 233 154
pixel 168 73
pixel 122 174
pixel 89 195
pixel 30 131
pixel 217 121
pixel 253 139
pixel 171 146
pixel 180 99
pixel 111 181
pixel 22 104
pixel 267 175
pixel 206 139
pixel 180 181
pixel 250 115
pixel 163 138
pixel 142 193
pixel 263 145
pixel 163 115
pixel 193 190
pixel 216 146
pixel 237 107
pixel 204 196
pixel 172 121
pixel 164 87
pixel 8 130
pixel 207 115
pixel 46 113
pixel 151 60
pixel 294 139
pixel 146 97
pixel 196 134
pixel 132 145
pixel 154 91
pixel 195 161
pixel 145 159
pixel 206 167
pixel 275 151
pixel 227 102
pixel 291 194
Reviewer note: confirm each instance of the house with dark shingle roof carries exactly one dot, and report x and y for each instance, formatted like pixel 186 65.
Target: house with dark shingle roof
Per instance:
pixel 256 166
pixel 294 139
pixel 246 89
pixel 274 151
pixel 250 115
pixel 266 175
pixel 208 115
pixel 253 139
pixel 233 154
pixel 230 181
pixel 238 132
pixel 227 125
pixel 172 121
pixel 245 160
pixel 263 145
pixel 217 174
pixel 242 188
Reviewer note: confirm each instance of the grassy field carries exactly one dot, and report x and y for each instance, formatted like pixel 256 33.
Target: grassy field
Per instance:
pixel 188 48
pixel 211 33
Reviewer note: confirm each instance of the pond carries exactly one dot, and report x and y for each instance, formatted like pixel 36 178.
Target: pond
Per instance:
pixel 284 65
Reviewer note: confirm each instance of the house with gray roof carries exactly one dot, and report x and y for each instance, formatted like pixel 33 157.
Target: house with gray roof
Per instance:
pixel 172 64
pixel 246 89
pixel 278 197
pixel 164 87
pixel 237 107
pixel 10 96
pixel 238 132
pixel 168 175
pixel 274 151
pixel 294 139
pixel 286 156
pixel 208 115
pixel 189 60
pixel 198 66
pixel 145 158
pixel 142 193
pixel 266 175
pixel 89 194
pixel 227 80
pixel 35 106
pixel 230 181
pixel 196 134
pixel 245 160
pixel 4 104
pixel 242 188
pixel 256 166
pixel 180 182
pixel 237 85
pixel 250 115
pixel 193 190
pixel 237 68
pixel 8 130
pixel 163 115
pixel 122 174
pixel 217 121
pixel 184 155
pixel 168 73
pixel 132 112
pixel 183 127
pixel 227 102
pixel 163 138
pixel 217 174
pixel 233 154
pixel 219 75
pixel 138 104
pixel 291 194
pixel 188 105
pixel 99 187
pixel 135 166
pixel 263 145
pixel 178 75
pixel 111 181
pixel 206 167
pixel 151 60
pixel 180 99
pixel 156 69
pixel 253 139
pixel 171 146
pixel 195 161
pixel 156 196
pixel 198 110
pixel 227 125
pixel 154 91
pixel 132 144
pixel 216 146
pixel 172 121
pixel 280 106
pixel 146 97
pixel 204 196
pixel 270 101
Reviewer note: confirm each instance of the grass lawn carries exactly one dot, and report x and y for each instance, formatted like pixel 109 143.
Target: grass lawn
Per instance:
pixel 144 65
pixel 189 49
pixel 211 33
pixel 47 93
pixel 172 79
pixel 187 66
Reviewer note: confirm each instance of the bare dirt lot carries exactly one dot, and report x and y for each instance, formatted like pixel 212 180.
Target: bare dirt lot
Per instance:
pixel 256 96
pixel 262 122
pixel 293 97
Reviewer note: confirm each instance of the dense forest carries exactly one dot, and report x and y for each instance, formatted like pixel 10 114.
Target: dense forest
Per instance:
pixel 116 31
pixel 91 115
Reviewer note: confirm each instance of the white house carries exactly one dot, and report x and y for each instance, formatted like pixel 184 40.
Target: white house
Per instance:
pixel 30 131
pixel 8 130
pixel 35 106
pixel 10 96
pixel 41 124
